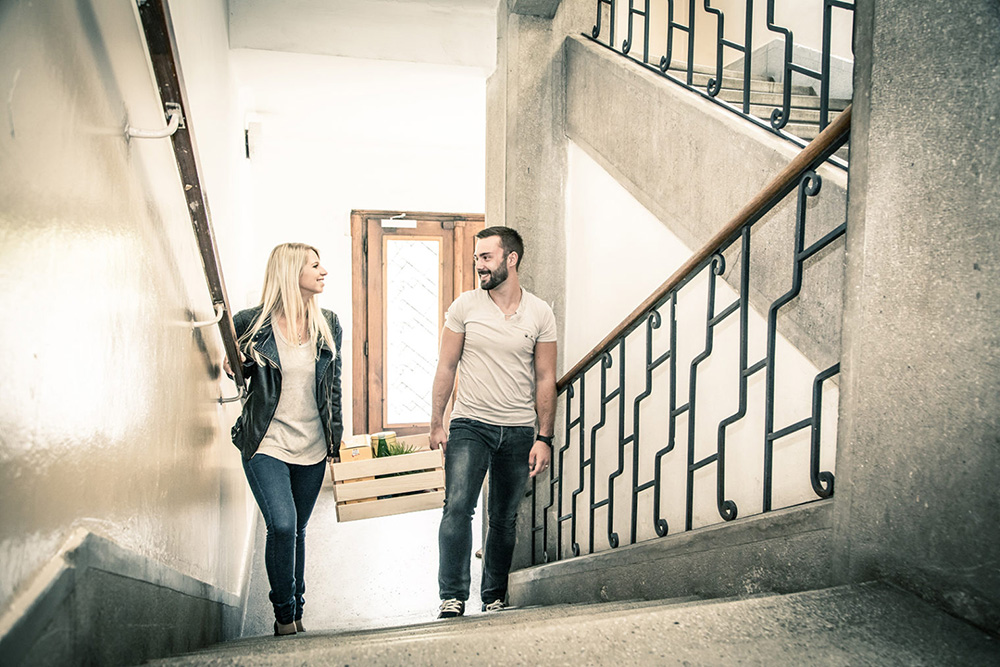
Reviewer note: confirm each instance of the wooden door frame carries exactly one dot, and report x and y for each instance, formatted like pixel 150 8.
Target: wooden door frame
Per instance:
pixel 464 227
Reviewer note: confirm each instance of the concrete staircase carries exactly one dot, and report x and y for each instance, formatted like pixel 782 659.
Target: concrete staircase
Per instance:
pixel 871 624
pixel 765 96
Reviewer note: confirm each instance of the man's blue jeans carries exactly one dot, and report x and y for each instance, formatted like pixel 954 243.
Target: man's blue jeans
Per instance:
pixel 286 494
pixel 473 449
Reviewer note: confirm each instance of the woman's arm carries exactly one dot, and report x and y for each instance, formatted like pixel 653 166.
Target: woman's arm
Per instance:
pixel 242 321
pixel 336 413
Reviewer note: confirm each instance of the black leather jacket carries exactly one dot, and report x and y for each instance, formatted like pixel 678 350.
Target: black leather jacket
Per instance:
pixel 265 385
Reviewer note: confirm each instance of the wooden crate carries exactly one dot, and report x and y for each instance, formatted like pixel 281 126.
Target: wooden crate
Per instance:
pixel 362 451
pixel 360 498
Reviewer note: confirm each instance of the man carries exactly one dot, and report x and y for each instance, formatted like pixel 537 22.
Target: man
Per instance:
pixel 501 340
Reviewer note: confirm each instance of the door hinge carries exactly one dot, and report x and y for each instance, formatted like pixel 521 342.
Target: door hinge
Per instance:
pixel 364 245
pixel 366 348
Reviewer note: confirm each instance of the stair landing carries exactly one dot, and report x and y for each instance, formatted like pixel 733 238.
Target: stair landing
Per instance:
pixel 870 624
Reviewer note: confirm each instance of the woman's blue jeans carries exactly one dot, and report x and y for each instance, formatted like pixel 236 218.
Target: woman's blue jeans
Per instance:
pixel 286 494
pixel 473 449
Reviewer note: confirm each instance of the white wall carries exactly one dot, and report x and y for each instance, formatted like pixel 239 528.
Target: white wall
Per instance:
pixel 330 135
pixel 110 424
pixel 617 254
pixel 202 31
pixel 338 134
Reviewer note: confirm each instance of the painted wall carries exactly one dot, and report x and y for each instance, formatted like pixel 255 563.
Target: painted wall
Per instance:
pixel 202 32
pixel 617 254
pixel 921 343
pixel 329 135
pixel 107 400
pixel 335 134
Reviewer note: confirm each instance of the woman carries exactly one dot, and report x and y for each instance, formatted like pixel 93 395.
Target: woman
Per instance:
pixel 291 421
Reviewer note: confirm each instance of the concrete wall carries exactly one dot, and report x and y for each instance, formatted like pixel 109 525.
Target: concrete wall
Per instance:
pixel 109 415
pixel 780 552
pixel 916 502
pixel 920 444
pixel 694 165
pixel 688 162
pixel 526 150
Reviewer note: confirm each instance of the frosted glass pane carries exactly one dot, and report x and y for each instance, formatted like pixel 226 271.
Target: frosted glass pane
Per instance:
pixel 412 326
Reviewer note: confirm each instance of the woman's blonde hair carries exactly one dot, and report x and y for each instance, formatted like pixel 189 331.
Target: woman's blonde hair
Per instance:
pixel 283 296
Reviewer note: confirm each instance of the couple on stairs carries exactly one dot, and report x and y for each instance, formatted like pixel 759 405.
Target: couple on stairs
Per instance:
pixel 500 340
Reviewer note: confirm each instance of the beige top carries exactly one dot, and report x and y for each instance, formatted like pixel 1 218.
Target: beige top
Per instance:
pixel 496 374
pixel 295 434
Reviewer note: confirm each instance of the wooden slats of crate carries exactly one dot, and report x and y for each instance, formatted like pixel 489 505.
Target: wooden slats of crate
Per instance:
pixel 360 498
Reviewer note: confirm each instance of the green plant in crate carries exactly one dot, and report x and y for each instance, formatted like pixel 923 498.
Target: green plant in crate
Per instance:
pixel 395 449
pixel 399 448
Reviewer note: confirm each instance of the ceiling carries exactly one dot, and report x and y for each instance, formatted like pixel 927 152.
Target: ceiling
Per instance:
pixel 445 32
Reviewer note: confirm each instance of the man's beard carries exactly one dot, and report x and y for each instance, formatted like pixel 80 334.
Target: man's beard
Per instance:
pixel 494 279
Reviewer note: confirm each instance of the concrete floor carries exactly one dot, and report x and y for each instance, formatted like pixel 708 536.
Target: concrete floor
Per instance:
pixel 365 574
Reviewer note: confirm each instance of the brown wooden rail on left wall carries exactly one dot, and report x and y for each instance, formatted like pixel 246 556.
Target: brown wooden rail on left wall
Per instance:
pixel 162 46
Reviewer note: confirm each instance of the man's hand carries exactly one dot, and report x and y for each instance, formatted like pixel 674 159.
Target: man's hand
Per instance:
pixel 452 344
pixel 538 459
pixel 439 439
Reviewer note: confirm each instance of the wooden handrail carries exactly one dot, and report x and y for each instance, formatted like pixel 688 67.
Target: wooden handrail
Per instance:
pixel 819 149
pixel 162 46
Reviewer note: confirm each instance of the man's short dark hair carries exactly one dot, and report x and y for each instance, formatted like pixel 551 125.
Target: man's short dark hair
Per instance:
pixel 510 241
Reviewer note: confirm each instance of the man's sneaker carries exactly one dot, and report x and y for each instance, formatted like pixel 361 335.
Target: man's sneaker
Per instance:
pixel 496 605
pixel 451 608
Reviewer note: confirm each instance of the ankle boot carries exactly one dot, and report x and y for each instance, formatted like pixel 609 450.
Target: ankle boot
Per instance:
pixel 282 629
pixel 298 626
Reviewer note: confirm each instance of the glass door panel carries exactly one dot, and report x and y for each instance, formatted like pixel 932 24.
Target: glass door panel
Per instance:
pixel 412 323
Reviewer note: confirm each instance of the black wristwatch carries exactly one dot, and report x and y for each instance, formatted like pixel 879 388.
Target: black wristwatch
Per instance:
pixel 547 439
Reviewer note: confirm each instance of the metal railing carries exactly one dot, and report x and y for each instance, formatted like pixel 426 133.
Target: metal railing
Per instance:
pixel 699 22
pixel 576 492
pixel 158 30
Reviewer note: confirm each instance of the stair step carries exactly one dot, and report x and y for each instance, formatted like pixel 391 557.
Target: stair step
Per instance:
pixel 591 609
pixel 729 81
pixel 802 130
pixel 775 100
pixel 682 67
pixel 765 96
pixel 798 114
pixel 865 624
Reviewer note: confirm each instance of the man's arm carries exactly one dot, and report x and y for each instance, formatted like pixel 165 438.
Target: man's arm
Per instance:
pixel 452 344
pixel 545 404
